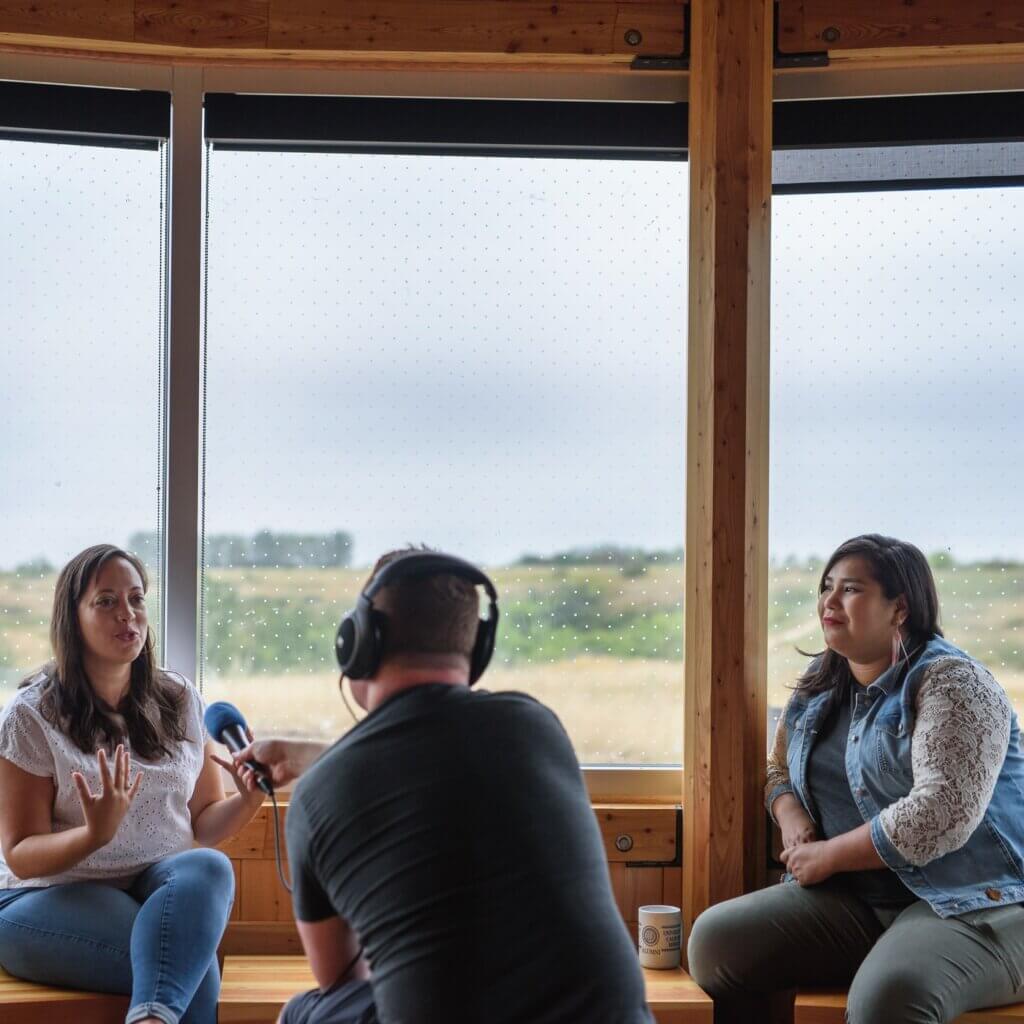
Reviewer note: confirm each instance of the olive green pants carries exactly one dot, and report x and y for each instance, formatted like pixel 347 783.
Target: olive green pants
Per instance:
pixel 910 967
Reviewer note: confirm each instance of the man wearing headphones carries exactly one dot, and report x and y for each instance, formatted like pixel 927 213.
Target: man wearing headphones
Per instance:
pixel 447 840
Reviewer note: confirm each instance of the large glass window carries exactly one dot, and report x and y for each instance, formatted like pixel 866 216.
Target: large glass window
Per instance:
pixel 897 367
pixel 485 355
pixel 81 351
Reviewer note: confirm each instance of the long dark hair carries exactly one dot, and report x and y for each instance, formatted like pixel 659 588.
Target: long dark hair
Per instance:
pixel 900 569
pixel 152 716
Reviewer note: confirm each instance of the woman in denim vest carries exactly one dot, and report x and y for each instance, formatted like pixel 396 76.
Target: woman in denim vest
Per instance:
pixel 897 781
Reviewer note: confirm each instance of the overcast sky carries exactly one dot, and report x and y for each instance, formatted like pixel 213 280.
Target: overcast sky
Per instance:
pixel 489 355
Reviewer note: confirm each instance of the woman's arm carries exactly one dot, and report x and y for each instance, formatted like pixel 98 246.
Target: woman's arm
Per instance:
pixel 216 817
pixel 957 750
pixel 31 849
pixel 787 812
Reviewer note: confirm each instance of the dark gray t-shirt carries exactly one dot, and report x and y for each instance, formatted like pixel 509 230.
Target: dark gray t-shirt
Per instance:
pixel 451 828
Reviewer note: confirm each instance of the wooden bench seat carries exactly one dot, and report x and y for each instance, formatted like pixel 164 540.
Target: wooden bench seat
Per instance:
pixel 829 1007
pixel 254 989
pixel 21 1002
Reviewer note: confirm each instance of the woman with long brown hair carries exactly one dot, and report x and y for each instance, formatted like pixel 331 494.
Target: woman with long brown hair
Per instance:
pixel 109 781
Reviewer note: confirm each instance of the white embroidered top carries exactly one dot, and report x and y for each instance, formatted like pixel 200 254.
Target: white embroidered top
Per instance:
pixel 158 822
pixel 957 749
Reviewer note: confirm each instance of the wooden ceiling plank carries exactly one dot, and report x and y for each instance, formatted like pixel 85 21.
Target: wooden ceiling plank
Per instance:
pixel 242 23
pixel 836 25
pixel 94 19
pixel 454 26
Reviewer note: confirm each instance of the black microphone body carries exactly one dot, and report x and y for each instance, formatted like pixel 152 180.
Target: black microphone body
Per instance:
pixel 225 724
pixel 233 737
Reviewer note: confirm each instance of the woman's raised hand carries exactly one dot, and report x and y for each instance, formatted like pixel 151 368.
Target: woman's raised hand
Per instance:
pixel 105 812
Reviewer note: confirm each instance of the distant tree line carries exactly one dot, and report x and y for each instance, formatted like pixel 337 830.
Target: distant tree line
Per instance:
pixel 626 558
pixel 266 548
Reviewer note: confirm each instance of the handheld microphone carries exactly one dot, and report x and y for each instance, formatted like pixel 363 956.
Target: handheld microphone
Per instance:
pixel 224 722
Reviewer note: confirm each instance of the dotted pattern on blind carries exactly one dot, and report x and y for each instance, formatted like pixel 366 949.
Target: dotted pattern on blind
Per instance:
pixel 81 285
pixel 897 367
pixel 896 163
pixel 483 355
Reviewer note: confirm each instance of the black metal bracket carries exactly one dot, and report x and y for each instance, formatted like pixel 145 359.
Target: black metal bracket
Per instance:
pixel 676 62
pixel 681 62
pixel 811 59
pixel 677 861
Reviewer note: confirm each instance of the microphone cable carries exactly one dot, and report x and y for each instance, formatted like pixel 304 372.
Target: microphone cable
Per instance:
pixel 277 841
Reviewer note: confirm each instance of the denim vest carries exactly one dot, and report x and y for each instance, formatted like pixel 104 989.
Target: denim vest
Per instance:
pixel 989 869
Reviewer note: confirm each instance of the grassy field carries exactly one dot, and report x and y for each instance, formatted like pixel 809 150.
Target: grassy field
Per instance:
pixel 600 644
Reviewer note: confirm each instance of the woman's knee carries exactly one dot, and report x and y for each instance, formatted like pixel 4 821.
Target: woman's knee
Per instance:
pixel 208 868
pixel 721 955
pixel 895 994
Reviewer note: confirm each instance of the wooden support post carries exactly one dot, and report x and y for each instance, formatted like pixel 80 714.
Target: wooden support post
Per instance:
pixel 727 452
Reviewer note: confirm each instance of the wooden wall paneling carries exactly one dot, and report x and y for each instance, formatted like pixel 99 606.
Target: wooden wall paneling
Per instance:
pixel 86 19
pixel 202 23
pixel 236 907
pixel 652 831
pixel 672 887
pixel 726 529
pixel 263 896
pixel 642 887
pixel 268 832
pixel 806 25
pixel 249 843
pixel 256 938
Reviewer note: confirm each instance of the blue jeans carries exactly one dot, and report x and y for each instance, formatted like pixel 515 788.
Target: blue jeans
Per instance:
pixel 157 940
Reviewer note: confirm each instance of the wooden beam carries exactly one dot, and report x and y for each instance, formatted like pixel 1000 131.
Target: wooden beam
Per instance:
pixel 568 27
pixel 727 447
pixel 835 25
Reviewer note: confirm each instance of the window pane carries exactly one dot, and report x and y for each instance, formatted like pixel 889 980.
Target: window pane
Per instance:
pixel 897 365
pixel 81 284
pixel 483 355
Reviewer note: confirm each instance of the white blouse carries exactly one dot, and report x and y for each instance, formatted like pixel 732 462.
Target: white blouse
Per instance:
pixel 158 822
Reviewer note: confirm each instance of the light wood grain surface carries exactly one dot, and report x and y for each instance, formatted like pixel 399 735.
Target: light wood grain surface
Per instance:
pixel 828 1007
pixel 727 453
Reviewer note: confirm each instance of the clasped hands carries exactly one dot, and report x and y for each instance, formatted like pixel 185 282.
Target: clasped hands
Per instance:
pixel 808 859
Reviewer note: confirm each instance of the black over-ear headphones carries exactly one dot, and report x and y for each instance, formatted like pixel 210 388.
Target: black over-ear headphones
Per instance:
pixel 360 635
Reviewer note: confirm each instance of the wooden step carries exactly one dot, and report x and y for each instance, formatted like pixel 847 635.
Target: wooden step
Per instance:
pixel 22 1002
pixel 254 989
pixel 829 1007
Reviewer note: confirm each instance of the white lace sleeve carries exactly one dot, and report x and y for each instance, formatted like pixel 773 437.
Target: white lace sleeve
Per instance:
pixel 957 750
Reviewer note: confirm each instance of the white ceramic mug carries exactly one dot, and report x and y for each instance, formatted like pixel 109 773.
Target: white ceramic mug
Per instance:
pixel 660 934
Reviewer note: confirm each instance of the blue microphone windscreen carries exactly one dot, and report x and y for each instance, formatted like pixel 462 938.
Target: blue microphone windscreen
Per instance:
pixel 219 716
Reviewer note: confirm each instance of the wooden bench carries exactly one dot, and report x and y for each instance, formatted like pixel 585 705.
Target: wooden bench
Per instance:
pixel 21 1002
pixel 829 1007
pixel 254 989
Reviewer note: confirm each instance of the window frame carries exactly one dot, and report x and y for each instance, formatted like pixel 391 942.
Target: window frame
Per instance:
pixel 187 84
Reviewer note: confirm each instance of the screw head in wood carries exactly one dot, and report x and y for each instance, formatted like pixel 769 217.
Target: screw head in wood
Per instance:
pixel 633 37
pixel 623 843
pixel 831 34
